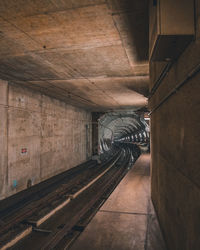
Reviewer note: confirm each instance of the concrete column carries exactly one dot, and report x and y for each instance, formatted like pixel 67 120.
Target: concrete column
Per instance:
pixel 3 138
pixel 95 133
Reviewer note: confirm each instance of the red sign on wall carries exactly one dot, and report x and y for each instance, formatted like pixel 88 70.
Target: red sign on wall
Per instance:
pixel 24 151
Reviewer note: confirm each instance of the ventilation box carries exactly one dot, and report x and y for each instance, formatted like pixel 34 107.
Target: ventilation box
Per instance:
pixel 171 28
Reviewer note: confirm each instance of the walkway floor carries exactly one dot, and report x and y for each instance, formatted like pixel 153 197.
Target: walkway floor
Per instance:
pixel 127 220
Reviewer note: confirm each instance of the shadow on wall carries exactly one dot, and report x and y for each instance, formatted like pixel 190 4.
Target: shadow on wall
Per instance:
pixel 133 16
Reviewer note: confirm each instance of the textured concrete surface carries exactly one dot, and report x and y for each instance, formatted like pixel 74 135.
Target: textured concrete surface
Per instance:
pixel 3 135
pixel 52 133
pixel 95 132
pixel 127 220
pixel 175 149
pixel 93 54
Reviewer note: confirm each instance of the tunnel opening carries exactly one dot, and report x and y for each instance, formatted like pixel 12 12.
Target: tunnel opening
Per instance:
pixel 123 128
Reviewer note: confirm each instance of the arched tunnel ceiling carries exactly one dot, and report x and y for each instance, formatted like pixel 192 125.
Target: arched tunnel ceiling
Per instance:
pixel 91 53
pixel 116 125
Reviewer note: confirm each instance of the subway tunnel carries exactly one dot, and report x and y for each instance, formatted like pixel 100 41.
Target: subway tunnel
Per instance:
pixel 99 124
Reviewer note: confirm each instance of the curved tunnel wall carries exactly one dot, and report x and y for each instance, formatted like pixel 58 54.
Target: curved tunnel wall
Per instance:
pixel 122 127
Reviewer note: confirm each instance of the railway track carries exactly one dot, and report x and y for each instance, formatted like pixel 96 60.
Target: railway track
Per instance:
pixel 54 220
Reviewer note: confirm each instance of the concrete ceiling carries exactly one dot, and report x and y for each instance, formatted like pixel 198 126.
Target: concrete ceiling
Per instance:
pixel 91 53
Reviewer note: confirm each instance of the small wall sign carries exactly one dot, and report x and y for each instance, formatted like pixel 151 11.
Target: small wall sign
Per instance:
pixel 24 151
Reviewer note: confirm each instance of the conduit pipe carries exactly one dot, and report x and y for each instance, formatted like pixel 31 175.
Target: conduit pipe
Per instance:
pixel 193 72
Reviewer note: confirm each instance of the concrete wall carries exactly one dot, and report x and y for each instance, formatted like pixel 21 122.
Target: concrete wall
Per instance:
pixel 52 132
pixel 175 145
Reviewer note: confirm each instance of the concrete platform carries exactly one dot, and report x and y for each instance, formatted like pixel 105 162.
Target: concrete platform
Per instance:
pixel 127 220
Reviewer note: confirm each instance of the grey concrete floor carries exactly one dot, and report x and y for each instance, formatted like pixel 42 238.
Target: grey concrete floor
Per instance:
pixel 127 220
